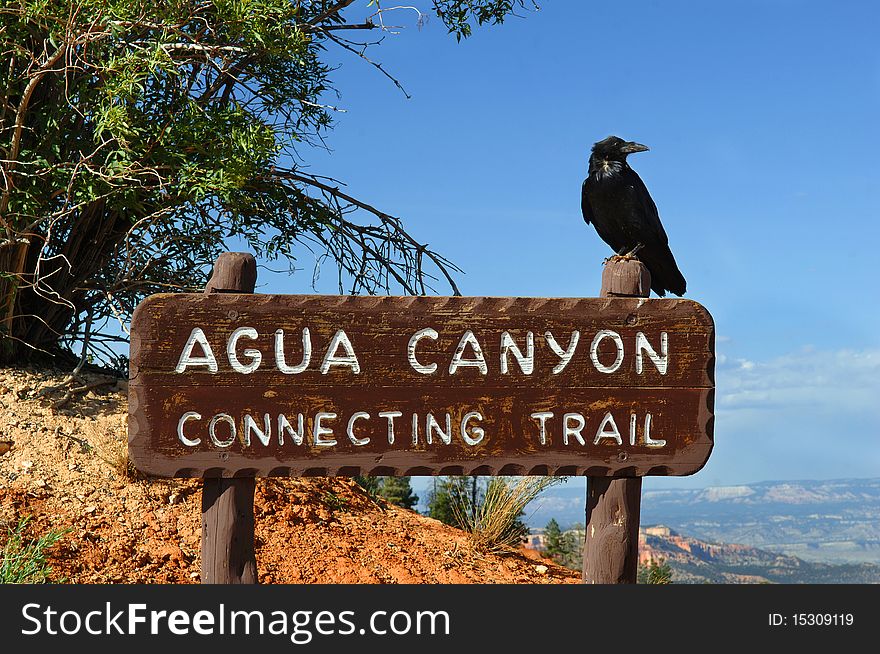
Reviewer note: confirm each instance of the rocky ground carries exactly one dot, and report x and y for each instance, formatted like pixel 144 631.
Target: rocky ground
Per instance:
pixel 63 462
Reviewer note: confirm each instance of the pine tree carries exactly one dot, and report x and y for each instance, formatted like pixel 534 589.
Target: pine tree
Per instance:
pixel 440 502
pixel 565 547
pixel 573 547
pixel 553 540
pixel 398 490
pixel 446 497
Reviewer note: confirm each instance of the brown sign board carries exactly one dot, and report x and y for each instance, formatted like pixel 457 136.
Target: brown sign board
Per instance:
pixel 275 385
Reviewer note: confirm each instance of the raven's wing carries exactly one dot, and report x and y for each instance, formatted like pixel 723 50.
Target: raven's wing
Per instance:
pixel 643 210
pixel 586 209
pixel 644 221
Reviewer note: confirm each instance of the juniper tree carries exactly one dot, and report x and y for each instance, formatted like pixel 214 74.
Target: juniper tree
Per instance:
pixel 136 137
pixel 398 490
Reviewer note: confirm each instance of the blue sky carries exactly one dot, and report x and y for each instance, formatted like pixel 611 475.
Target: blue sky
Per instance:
pixel 762 122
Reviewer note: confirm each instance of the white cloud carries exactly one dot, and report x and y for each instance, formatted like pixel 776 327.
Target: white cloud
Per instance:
pixel 808 414
pixel 817 379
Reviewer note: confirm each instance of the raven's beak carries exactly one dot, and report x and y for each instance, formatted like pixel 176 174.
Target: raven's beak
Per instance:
pixel 631 147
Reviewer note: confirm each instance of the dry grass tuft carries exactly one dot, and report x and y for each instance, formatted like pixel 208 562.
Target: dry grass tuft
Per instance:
pixel 494 525
pixel 112 448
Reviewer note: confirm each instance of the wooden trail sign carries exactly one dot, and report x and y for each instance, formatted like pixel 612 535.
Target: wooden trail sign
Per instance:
pixel 238 385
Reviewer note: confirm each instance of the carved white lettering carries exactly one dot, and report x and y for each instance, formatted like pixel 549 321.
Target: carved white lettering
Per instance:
pixel 594 350
pixel 250 427
pixel 212 430
pixel 650 442
pixel 187 359
pixel 280 358
pixel 660 361
pixel 189 415
pixel 572 430
pixel 354 417
pixel 566 354
pixel 427 332
pixel 320 430
pixel 432 426
pixel 340 338
pixel 526 362
pixel 284 426
pixel 601 433
pixel 542 417
pixel 476 435
pixel 390 416
pixel 254 355
pixel 632 429
pixel 479 361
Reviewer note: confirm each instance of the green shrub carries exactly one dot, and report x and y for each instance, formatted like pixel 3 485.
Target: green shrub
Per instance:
pixel 656 572
pixel 24 559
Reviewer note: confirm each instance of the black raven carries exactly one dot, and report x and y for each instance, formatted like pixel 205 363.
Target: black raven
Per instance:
pixel 615 200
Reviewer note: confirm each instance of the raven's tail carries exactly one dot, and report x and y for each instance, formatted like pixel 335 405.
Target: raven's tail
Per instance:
pixel 665 275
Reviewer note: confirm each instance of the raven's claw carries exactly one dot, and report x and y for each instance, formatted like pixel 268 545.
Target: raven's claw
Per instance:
pixel 632 253
pixel 629 256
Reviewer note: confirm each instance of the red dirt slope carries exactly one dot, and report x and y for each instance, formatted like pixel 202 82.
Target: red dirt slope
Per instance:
pixel 65 466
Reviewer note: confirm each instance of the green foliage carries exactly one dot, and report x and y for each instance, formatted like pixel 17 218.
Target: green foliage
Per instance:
pixel 23 559
pixel 656 572
pixel 572 555
pixel 334 501
pixel 446 493
pixel 553 544
pixel 398 490
pixel 564 547
pixel 137 137
pixel 457 15
pixel 370 485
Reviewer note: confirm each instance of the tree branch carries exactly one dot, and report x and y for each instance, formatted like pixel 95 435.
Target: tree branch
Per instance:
pixel 335 9
pixel 442 263
pixel 371 62
pixel 19 128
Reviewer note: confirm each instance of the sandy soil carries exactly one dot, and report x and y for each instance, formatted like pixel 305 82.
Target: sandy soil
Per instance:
pixel 64 464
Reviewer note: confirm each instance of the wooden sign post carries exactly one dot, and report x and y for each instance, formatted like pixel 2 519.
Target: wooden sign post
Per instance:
pixel 228 555
pixel 228 386
pixel 611 541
